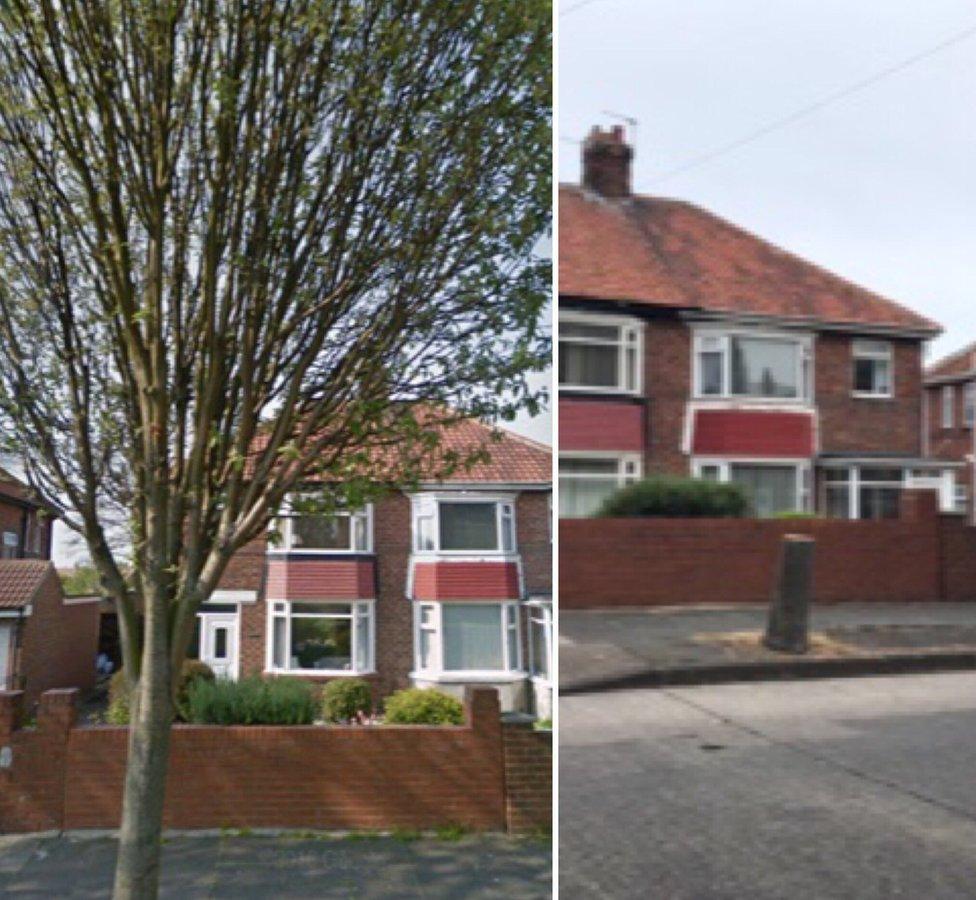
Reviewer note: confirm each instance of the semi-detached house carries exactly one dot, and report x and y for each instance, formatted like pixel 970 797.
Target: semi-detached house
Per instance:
pixel 690 346
pixel 445 586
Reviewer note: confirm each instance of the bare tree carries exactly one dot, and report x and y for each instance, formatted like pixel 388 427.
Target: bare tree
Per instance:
pixel 241 243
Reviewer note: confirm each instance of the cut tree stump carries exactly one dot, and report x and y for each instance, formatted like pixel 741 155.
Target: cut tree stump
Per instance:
pixel 788 625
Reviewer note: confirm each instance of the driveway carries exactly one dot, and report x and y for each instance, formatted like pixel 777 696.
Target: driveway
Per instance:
pixel 835 789
pixel 485 866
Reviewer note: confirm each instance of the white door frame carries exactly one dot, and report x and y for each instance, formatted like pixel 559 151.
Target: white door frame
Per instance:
pixel 209 623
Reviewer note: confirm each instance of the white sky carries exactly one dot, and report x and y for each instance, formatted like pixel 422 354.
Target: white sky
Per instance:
pixel 879 187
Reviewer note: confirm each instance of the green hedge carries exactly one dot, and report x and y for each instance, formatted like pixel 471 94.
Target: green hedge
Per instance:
pixel 118 691
pixel 423 706
pixel 252 701
pixel 673 497
pixel 345 698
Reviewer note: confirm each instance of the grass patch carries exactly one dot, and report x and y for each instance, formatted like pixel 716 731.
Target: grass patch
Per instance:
pixel 450 832
pixel 406 835
pixel 750 643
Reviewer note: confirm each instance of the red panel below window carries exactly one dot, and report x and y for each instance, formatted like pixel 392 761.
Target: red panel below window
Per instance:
pixel 320 579
pixel 734 432
pixel 465 581
pixel 601 425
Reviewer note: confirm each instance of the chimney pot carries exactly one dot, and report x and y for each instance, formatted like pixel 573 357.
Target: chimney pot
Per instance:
pixel 606 162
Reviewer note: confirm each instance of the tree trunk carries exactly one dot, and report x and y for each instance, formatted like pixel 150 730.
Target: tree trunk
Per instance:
pixel 137 865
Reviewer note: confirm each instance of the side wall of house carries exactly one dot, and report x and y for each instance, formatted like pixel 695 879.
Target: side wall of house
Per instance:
pixel 58 642
pixel 851 424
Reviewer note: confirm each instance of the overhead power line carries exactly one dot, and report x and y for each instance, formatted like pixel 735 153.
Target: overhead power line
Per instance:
pixel 814 107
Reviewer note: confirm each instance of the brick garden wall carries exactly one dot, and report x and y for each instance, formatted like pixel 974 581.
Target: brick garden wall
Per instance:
pixel 528 778
pixel 66 777
pixel 662 562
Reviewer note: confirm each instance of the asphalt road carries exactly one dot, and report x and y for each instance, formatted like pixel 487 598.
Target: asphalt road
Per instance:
pixel 861 788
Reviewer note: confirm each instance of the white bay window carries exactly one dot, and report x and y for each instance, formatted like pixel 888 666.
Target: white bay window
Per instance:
pixel 585 481
pixel 452 525
pixel 303 531
pixel 321 638
pixel 599 353
pixel 467 637
pixel 752 365
pixel 772 487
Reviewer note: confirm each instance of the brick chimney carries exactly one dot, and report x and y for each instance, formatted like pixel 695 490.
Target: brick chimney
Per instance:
pixel 606 162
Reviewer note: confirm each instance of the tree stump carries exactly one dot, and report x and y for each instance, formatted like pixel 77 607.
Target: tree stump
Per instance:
pixel 788 625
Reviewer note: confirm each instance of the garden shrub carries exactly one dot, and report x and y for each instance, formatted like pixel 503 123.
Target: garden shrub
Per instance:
pixel 118 691
pixel 345 698
pixel 673 497
pixel 423 706
pixel 252 701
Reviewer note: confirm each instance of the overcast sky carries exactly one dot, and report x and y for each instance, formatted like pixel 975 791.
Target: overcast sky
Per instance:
pixel 879 186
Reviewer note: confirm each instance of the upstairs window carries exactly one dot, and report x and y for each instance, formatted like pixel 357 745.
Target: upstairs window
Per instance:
pixel 872 369
pixel 341 532
pixel 599 355
pixel 757 366
pixel 969 405
pixel 948 406
pixel 463 526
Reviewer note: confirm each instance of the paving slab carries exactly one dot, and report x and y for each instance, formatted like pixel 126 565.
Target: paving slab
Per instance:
pixel 622 648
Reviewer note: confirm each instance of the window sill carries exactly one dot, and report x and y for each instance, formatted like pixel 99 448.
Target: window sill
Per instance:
pixel 282 551
pixel 324 673
pixel 861 395
pixel 607 391
pixel 474 675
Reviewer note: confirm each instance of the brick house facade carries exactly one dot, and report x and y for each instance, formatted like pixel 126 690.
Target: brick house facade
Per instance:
pixel 447 586
pixel 689 346
pixel 950 416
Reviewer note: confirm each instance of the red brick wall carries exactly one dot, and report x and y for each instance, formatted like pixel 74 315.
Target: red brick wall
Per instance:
pixel 528 778
pixel 533 523
pixel 958 559
pixel 650 562
pixel 667 385
pixel 64 777
pixel 58 642
pixel 852 425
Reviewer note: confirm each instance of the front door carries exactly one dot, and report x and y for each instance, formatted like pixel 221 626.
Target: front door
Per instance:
pixel 6 654
pixel 218 643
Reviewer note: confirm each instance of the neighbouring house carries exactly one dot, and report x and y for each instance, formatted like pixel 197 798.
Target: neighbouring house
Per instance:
pixel 25 523
pixel 446 586
pixel 689 346
pixel 950 414
pixel 47 641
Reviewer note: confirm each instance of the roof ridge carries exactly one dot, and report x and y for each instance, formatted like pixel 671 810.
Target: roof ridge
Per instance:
pixel 952 357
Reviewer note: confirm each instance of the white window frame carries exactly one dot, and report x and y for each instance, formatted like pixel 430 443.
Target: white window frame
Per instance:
pixel 539 612
pixel 803 466
pixel 427 506
pixel 630 336
pixel 948 406
pixel 629 467
pixel 509 619
pixel 719 339
pixel 944 482
pixel 283 525
pixel 875 351
pixel 358 610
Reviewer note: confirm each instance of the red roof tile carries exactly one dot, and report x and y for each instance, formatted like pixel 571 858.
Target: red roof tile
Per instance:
pixel 958 365
pixel 668 253
pixel 512 459
pixel 20 580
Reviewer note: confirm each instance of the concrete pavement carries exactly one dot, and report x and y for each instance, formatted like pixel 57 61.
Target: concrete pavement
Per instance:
pixel 679 645
pixel 824 789
pixel 275 868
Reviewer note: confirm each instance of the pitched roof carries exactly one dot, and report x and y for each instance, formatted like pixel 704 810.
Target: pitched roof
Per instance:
pixel 956 366
pixel 657 252
pixel 512 458
pixel 20 580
